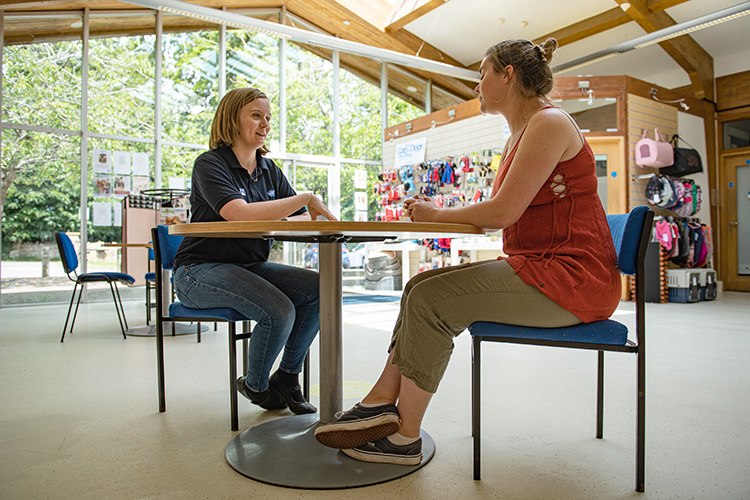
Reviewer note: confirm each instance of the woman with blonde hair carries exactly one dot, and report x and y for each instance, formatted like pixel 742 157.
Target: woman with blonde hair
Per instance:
pixel 234 181
pixel 560 268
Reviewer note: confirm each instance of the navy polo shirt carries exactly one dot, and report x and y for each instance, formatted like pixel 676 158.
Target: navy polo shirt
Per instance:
pixel 218 178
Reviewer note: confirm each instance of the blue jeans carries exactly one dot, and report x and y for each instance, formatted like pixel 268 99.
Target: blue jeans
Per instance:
pixel 283 300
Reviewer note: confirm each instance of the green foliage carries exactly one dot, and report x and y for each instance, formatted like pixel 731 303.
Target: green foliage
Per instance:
pixel 121 86
pixel 42 87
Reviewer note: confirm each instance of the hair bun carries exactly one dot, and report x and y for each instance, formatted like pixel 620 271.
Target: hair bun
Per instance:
pixel 547 48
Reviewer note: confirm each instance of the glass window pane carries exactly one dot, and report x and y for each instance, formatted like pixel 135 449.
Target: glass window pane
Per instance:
pixel 442 99
pixel 43 198
pixel 400 111
pixel 117 169
pixel 121 86
pixel 177 164
pixel 358 203
pixel 592 114
pixel 309 102
pixel 736 134
pixel 190 85
pixel 42 84
pixel 359 111
pixel 253 61
pixel 407 87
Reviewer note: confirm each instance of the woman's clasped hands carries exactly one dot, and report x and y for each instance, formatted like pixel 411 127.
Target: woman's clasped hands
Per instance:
pixel 420 208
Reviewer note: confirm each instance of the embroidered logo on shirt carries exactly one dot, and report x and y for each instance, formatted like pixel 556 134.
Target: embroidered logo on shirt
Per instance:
pixel 271 193
pixel 242 192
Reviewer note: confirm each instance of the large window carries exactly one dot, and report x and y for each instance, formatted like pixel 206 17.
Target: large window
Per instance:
pixel 40 162
pixel 43 138
pixel 42 85
pixel 309 103
pixel 359 109
pixel 253 61
pixel 190 85
pixel 121 86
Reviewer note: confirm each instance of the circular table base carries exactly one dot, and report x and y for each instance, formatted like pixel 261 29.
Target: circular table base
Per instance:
pixel 150 330
pixel 284 452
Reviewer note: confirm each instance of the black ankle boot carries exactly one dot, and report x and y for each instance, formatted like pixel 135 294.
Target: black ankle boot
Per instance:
pixel 291 393
pixel 268 399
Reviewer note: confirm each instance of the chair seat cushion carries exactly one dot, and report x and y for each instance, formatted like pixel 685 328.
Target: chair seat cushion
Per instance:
pixel 177 310
pixel 150 276
pixel 608 332
pixel 125 278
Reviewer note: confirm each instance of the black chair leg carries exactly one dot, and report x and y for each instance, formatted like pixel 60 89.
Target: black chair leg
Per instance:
pixel 600 396
pixel 72 297
pixel 306 377
pixel 118 308
pixel 78 303
pixel 199 332
pixel 246 327
pixel 148 303
pixel 640 452
pixel 475 403
pixel 160 363
pixel 233 375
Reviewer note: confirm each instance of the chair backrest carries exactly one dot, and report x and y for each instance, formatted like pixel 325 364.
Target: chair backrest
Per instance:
pixel 628 233
pixel 67 252
pixel 166 245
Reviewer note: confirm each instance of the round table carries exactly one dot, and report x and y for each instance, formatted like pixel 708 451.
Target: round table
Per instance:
pixel 284 452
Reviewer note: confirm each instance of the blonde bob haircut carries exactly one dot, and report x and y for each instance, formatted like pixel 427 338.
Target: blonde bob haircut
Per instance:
pixel 226 125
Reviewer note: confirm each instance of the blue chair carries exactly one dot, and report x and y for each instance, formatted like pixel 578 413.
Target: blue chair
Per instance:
pixel 165 249
pixel 631 234
pixel 70 265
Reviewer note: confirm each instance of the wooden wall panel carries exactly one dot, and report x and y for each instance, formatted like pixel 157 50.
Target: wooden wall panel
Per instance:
pixel 733 91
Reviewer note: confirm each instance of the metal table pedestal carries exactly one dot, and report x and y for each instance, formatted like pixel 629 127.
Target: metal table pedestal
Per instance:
pixel 284 452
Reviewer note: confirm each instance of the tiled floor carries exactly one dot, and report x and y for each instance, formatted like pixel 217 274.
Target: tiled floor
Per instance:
pixel 79 420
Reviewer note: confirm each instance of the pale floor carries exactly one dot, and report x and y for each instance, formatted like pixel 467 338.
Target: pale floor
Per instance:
pixel 79 420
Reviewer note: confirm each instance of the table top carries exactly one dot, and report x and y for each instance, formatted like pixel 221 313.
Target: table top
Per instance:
pixel 325 230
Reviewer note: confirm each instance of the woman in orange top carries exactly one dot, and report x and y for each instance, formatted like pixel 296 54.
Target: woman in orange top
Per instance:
pixel 560 270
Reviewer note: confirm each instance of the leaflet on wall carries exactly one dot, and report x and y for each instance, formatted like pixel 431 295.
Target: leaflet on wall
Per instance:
pixel 102 213
pixel 102 161
pixel 117 221
pixel 410 153
pixel 140 164
pixel 102 186
pixel 122 185
pixel 360 179
pixel 360 200
pixel 121 161
pixel 360 216
pixel 139 184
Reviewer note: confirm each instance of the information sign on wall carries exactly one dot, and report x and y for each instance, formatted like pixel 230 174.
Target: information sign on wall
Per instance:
pixel 410 152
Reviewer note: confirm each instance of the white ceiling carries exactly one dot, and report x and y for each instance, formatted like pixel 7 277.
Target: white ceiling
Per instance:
pixel 464 29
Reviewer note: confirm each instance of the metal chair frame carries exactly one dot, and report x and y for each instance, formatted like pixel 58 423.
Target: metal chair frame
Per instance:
pixel 200 317
pixel 82 279
pixel 638 348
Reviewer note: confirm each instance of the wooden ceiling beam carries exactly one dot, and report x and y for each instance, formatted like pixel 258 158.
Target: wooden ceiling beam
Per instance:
pixel 414 15
pixel 685 51
pixel 600 23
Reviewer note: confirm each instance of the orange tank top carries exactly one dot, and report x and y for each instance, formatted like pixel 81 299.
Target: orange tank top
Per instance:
pixel 562 244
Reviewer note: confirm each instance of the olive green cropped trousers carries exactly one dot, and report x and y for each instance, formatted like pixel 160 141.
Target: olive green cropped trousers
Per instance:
pixel 438 304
